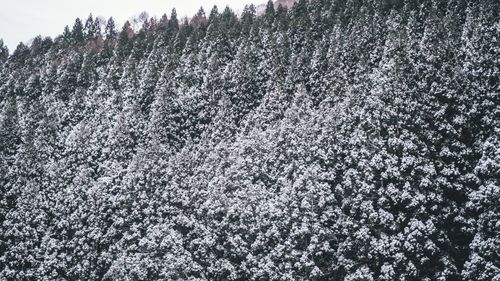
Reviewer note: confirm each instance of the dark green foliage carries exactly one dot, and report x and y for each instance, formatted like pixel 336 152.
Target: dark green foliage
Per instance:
pixel 333 140
pixel 77 33
pixel 110 31
pixel 4 52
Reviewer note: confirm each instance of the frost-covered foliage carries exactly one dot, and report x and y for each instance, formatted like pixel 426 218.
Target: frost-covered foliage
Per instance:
pixel 336 140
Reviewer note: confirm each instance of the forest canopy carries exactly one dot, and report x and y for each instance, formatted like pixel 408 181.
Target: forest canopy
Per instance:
pixel 334 140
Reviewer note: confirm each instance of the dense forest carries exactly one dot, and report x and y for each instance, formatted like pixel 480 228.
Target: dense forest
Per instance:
pixel 333 140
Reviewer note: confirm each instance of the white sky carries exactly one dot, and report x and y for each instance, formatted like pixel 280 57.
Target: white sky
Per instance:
pixel 22 20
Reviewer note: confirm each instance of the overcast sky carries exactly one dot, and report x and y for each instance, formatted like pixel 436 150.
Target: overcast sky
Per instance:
pixel 22 20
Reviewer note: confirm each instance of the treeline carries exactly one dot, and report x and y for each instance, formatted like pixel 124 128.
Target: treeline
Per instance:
pixel 336 140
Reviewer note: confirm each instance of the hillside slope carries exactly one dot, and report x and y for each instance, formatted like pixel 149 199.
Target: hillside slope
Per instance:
pixel 336 140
